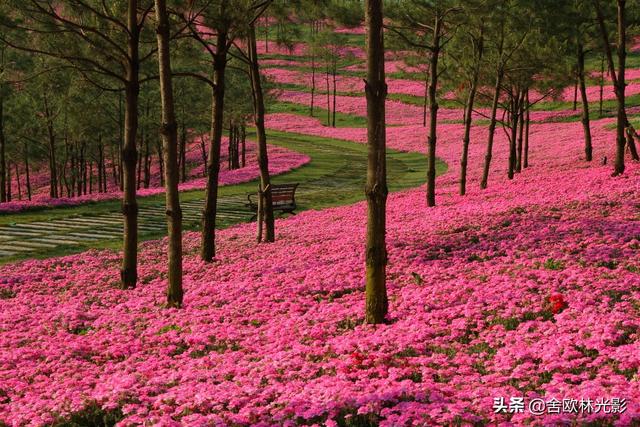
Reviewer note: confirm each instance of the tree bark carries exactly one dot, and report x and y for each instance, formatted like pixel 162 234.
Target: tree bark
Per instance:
pixel 520 132
pixel 620 89
pixel 468 116
pixel 26 170
pixel 129 272
pixel 433 113
pixel 515 109
pixel 333 115
pixel 618 77
pixel 263 160
pixel 527 122
pixel 313 82
pixel 3 159
pixel 376 187
pixel 588 147
pixel 208 238
pixel 53 175
pixel 18 181
pixel 169 132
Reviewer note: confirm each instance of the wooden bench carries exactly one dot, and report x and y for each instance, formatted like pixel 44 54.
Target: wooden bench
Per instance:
pixel 283 197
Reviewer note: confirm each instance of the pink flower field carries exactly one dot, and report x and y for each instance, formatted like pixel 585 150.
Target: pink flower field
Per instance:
pixel 528 289
pixel 279 339
pixel 281 160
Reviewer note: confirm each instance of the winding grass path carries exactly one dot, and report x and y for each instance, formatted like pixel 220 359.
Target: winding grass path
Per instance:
pixel 335 176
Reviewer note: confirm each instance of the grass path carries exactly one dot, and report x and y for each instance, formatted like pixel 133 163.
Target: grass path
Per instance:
pixel 335 176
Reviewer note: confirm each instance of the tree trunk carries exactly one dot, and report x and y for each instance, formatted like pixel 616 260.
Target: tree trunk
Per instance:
pixel 601 85
pixel 468 116
pixel 160 161
pixel 9 184
pixel 169 132
pixel 620 90
pixel 333 115
pixel 18 181
pixel 183 153
pixel 129 272
pixel 121 141
pixel 617 78
pixel 263 160
pixel 139 167
pixel 26 170
pixel 526 132
pixel 313 82
pixel 3 159
pixel 328 97
pixel 588 148
pixel 203 150
pixel 492 129
pixel 376 187
pixel 425 104
pixel 243 138
pixel 208 238
pixel 520 132
pixel 433 114
pixel 53 176
pixel 575 95
pixel 100 164
pixel 515 108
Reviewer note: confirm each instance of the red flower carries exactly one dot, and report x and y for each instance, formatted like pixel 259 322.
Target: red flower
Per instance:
pixel 557 303
pixel 357 358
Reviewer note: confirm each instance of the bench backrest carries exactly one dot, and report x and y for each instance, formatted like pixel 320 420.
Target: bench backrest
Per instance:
pixel 283 194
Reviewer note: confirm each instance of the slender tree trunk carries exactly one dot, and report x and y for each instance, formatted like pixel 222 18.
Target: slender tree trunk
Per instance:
pixel 183 153
pixel 601 85
pixel 203 150
pixel 313 82
pixel 575 95
pixel 520 132
pixel 425 104
pixel 515 109
pixel 492 128
pixel 243 131
pixel 376 188
pixel 53 176
pixel 333 116
pixel 100 163
pixel 526 131
pixel 208 238
pixel 433 114
pixel 84 168
pixel 9 184
pixel 129 272
pixel 328 97
pixel 620 89
pixel 18 181
pixel 26 170
pixel 588 148
pixel 169 132
pixel 160 161
pixel 3 159
pixel 617 78
pixel 121 142
pixel 266 205
pixel 468 115
pixel 139 167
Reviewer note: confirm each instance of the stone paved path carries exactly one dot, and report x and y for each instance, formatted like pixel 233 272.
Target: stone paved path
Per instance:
pixel 21 239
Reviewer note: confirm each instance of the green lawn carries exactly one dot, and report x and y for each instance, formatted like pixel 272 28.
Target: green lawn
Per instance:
pixel 335 176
